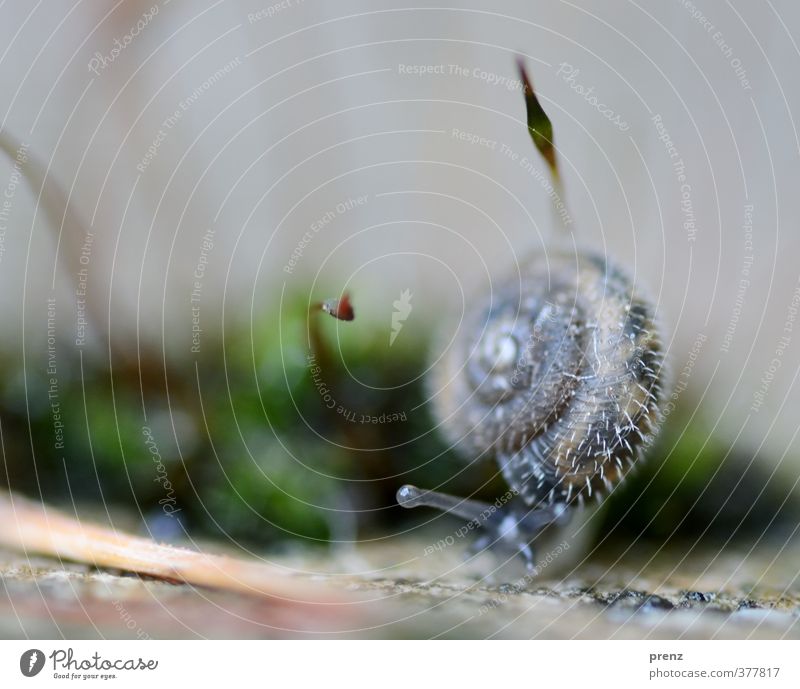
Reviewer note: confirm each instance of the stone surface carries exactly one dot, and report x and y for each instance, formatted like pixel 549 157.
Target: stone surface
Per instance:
pixel 397 591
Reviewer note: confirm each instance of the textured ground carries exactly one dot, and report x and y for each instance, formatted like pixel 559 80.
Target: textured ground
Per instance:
pixel 735 595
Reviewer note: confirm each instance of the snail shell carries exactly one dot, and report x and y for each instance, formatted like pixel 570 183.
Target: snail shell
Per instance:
pixel 557 375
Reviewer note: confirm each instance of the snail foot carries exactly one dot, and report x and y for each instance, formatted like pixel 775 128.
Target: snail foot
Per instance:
pixel 511 527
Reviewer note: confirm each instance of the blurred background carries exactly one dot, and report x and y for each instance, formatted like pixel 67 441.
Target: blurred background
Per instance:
pixel 184 180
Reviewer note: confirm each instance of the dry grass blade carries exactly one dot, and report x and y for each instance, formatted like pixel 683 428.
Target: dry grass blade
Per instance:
pixel 31 527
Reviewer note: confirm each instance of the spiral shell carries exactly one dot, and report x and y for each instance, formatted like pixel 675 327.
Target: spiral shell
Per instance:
pixel 557 376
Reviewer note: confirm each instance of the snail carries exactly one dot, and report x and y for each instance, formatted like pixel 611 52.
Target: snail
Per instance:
pixel 557 376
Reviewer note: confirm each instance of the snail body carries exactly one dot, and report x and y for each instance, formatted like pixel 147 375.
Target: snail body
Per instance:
pixel 557 376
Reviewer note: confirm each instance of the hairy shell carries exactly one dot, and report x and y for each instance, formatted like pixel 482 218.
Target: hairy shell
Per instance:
pixel 557 376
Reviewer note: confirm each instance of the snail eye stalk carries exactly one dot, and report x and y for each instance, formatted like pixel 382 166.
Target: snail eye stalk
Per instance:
pixel 411 496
